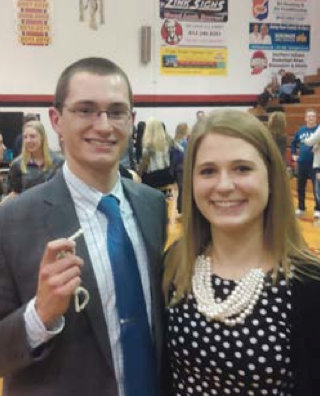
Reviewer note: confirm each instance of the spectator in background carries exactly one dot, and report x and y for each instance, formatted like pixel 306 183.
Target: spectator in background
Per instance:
pixel 277 126
pixel 128 164
pixel 200 114
pixel 304 162
pixel 181 135
pixel 314 141
pixel 140 130
pixel 36 164
pixel 287 93
pixel 288 90
pixel 177 152
pixel 154 166
pixel 128 158
pixel 17 145
pixel 288 79
pixel 2 147
pixel 266 96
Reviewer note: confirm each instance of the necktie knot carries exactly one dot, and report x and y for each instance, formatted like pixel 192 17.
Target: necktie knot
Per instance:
pixel 109 206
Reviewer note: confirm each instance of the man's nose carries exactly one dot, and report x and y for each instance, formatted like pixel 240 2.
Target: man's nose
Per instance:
pixel 103 121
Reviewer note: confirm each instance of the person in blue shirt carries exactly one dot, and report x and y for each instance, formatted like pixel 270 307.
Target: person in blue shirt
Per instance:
pixel 304 161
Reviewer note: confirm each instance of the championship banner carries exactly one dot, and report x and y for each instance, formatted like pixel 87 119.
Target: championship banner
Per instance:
pixel 194 61
pixel 34 22
pixel 195 10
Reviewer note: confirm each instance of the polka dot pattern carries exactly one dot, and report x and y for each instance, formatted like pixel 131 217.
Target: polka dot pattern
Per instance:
pixel 211 358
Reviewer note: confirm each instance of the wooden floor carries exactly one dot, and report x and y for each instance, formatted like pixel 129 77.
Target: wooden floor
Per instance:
pixel 310 231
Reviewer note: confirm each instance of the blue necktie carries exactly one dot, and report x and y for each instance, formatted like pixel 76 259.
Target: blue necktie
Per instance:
pixel 135 335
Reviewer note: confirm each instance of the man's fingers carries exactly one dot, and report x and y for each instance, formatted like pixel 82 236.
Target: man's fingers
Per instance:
pixel 64 277
pixel 68 288
pixel 55 247
pixel 61 265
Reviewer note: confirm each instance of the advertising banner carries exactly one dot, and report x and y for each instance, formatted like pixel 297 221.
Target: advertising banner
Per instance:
pixel 279 36
pixel 34 22
pixel 192 34
pixel 195 10
pixel 281 11
pixel 194 61
pixel 271 36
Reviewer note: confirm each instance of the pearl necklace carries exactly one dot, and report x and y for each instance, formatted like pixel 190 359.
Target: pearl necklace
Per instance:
pixel 237 306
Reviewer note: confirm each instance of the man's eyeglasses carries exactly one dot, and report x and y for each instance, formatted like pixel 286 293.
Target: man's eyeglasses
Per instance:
pixel 119 117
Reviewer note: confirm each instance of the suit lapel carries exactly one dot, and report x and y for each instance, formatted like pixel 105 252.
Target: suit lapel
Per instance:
pixel 62 221
pixel 145 218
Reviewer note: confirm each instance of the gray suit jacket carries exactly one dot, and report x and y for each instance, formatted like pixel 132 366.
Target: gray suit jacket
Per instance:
pixel 78 361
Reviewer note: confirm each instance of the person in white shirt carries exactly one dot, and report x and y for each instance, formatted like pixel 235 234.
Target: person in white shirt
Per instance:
pixel 264 37
pixel 254 36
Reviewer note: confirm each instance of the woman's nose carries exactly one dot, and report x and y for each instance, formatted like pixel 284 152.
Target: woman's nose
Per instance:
pixel 225 182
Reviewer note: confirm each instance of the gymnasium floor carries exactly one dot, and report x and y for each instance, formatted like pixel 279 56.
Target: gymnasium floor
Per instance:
pixel 310 231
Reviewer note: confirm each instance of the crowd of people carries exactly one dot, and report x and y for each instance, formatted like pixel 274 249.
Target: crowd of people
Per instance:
pixel 229 309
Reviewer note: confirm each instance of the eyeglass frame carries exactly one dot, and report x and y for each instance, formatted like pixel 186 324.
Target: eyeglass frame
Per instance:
pixel 95 114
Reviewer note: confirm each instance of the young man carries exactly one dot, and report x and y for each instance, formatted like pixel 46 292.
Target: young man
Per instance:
pixel 304 161
pixel 46 347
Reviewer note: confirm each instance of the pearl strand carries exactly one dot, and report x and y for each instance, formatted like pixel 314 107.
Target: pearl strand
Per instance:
pixel 237 306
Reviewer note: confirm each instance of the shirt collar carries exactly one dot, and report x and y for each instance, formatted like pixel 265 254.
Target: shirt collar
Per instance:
pixel 88 197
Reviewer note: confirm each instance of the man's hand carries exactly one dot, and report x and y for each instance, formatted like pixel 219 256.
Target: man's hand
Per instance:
pixel 59 276
pixel 295 158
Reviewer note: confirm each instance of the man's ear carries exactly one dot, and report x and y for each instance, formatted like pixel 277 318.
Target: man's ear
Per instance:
pixel 55 118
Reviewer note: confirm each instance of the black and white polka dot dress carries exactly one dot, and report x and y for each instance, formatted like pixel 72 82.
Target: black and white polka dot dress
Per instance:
pixel 210 358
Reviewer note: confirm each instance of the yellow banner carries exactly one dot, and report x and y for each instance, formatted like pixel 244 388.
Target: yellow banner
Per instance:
pixel 35 40
pixel 26 28
pixel 34 22
pixel 194 61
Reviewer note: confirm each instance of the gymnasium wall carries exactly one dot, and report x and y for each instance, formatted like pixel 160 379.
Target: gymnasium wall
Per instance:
pixel 28 70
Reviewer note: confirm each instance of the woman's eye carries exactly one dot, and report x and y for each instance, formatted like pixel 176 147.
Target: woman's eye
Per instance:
pixel 243 169
pixel 207 171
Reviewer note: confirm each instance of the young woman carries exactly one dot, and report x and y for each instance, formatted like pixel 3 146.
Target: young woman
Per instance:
pixel 177 151
pixel 36 163
pixel 241 286
pixel 277 125
pixel 154 166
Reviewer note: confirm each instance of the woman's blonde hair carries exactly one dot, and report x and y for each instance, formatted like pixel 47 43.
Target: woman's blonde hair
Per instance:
pixel 181 131
pixel 277 124
pixel 26 156
pixel 154 136
pixel 282 235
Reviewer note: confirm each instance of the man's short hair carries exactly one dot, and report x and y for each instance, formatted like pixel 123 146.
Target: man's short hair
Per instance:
pixel 98 66
pixel 311 110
